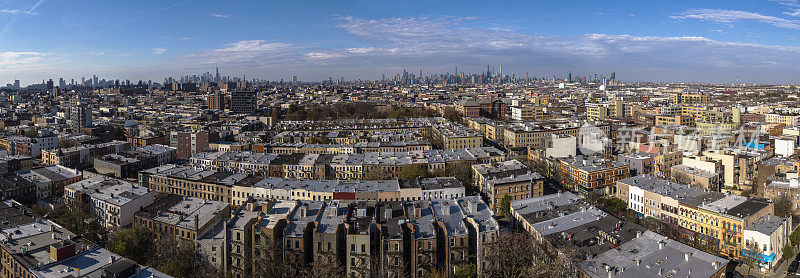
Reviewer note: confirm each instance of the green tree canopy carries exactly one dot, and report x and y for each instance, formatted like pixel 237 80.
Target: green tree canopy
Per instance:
pixel 413 171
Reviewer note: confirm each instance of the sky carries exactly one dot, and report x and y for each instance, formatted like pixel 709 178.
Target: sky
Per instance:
pixel 675 41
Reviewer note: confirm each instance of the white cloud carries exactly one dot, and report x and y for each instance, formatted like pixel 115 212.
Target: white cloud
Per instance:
pixel 730 16
pixel 14 11
pixel 159 51
pixel 223 16
pixel 793 12
pixel 248 53
pixel 12 60
pixel 437 44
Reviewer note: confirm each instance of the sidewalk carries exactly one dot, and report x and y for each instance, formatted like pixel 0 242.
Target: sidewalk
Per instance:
pixel 778 271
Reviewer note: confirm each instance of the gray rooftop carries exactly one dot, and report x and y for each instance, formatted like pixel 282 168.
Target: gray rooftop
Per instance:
pixel 653 255
pixel 767 224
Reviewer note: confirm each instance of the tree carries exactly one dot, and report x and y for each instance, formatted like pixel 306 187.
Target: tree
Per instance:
pixel 134 243
pixel 452 115
pixel 614 205
pixel 504 255
pixel 377 173
pixel 32 133
pixel 788 254
pixel 413 171
pixel 681 178
pixel 325 269
pixel 795 237
pixel 76 219
pixel 67 144
pixel 462 171
pixel 783 206
pixel 505 205
pixel 269 262
pixel 319 140
pixel 751 251
pixel 172 257
pixel 466 271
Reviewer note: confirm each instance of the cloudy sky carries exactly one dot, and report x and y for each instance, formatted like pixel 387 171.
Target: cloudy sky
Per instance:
pixel 698 41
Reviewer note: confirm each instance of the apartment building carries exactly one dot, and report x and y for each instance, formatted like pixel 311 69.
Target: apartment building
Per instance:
pixel 245 102
pixel 508 178
pixel 184 218
pixel 41 248
pixel 116 205
pixel 203 184
pixel 590 173
pixel 50 180
pixel 238 240
pixel 537 135
pixel 768 235
pixel 696 177
pixel 82 156
pixel 456 136
pixel 789 120
pixel 690 98
pixel 481 107
pixel 784 187
pixel 564 223
pixel 713 217
pixel 527 113
pixel 189 143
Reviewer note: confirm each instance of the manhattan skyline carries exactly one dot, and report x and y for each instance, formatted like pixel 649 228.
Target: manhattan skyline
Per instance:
pixel 683 41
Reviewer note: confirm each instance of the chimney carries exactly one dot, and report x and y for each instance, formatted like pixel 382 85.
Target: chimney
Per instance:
pixel 660 245
pixel 686 256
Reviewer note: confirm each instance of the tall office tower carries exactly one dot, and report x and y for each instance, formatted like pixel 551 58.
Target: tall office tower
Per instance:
pixel 243 102
pixel 62 83
pixel 83 81
pixel 569 76
pixel 16 84
pixel 216 78
pixel 94 81
pixel 613 76
pixel 294 79
pixel 50 85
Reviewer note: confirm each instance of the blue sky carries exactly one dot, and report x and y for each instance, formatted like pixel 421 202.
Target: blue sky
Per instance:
pixel 700 41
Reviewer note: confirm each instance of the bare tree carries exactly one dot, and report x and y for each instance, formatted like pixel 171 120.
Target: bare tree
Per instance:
pixel 681 178
pixel 783 205
pixel 504 259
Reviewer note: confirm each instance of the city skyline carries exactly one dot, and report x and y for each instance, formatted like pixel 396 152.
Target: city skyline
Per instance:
pixel 722 42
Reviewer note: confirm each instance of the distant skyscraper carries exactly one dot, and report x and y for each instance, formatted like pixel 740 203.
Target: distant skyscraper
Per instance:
pixel 94 81
pixel 216 78
pixel 50 85
pixel 16 84
pixel 613 76
pixel 569 76
pixel 294 79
